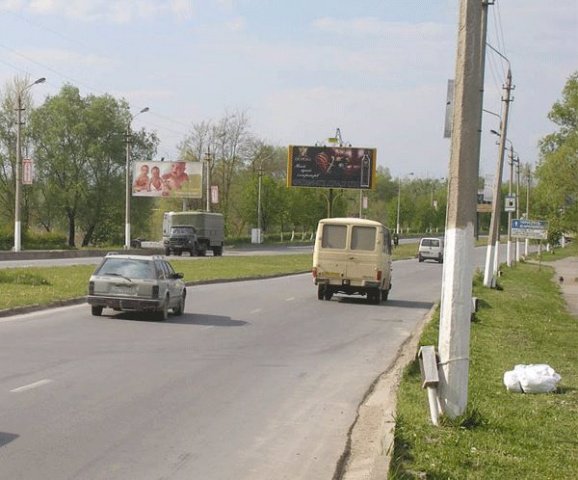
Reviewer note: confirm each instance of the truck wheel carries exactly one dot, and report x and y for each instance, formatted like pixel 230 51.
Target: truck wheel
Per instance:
pixel 217 251
pixel 320 292
pixel 168 252
pixel 96 310
pixel 202 253
pixel 328 294
pixel 373 296
pixel 420 258
pixel 178 253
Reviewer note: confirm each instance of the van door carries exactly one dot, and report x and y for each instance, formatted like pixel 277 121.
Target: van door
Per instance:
pixel 361 263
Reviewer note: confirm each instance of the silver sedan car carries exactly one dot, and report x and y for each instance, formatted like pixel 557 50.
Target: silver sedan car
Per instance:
pixel 137 283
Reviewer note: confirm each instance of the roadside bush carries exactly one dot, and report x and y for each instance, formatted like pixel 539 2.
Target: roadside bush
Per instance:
pixel 44 241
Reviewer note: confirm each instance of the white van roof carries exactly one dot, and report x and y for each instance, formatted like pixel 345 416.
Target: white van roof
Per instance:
pixel 351 221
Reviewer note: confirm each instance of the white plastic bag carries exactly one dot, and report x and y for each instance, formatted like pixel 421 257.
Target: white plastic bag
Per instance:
pixel 539 378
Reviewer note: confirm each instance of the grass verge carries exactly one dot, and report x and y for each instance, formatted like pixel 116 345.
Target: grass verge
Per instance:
pixel 502 434
pixel 43 285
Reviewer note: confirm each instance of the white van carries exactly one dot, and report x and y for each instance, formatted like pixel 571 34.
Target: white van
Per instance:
pixel 432 248
pixel 352 256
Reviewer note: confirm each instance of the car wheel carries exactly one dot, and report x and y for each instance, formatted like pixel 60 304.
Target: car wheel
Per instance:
pixel 163 313
pixel 96 310
pixel 180 308
pixel 320 292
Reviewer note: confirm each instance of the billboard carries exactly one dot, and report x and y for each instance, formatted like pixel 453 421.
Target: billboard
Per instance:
pixel 167 179
pixel 331 167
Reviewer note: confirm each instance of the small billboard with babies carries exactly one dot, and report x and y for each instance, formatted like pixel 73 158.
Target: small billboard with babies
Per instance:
pixel 167 179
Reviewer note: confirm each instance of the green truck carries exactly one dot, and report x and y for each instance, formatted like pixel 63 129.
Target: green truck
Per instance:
pixel 193 232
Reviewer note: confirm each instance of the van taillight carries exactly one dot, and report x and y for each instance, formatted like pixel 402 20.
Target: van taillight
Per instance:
pixel 314 272
pixel 379 275
pixel 155 292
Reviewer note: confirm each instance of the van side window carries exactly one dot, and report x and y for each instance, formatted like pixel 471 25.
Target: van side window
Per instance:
pixel 334 236
pixel 363 238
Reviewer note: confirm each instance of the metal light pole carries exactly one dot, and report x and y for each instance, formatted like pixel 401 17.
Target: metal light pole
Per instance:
pixel 399 203
pixel 208 166
pixel 17 191
pixel 127 185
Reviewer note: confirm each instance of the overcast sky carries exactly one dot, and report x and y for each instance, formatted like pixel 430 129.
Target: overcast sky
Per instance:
pixel 375 69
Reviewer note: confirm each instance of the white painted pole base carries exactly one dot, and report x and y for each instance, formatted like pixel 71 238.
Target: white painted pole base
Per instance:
pixel 526 247
pixel 489 268
pixel 509 253
pixel 127 236
pixel 17 236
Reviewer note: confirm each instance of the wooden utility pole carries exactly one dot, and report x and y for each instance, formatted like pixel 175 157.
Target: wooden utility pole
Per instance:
pixel 456 300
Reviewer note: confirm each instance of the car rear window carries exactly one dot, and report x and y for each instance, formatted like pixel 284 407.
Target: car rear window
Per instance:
pixel 334 236
pixel 127 267
pixel 363 238
pixel 430 242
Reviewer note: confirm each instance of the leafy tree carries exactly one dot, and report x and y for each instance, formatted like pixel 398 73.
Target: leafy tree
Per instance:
pixel 556 194
pixel 80 151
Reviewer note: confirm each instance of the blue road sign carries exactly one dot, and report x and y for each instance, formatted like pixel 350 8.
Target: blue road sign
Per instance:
pixel 535 229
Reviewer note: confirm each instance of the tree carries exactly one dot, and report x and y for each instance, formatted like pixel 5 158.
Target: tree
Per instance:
pixel 79 144
pixel 556 194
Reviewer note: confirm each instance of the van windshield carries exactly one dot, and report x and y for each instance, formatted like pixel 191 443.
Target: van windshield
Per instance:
pixel 334 236
pixel 363 238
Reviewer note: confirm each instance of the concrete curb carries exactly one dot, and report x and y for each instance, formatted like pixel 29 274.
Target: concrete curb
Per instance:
pixel 370 443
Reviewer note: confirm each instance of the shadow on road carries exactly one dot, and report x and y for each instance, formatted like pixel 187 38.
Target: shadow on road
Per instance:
pixel 185 319
pixel 387 304
pixel 6 438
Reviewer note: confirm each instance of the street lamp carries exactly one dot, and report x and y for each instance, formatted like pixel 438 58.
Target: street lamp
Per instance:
pixel 17 193
pixel 208 186
pixel 399 202
pixel 128 183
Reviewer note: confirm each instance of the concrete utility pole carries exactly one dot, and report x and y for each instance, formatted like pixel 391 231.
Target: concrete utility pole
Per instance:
pixel 456 299
pixel 509 245
pixel 528 179
pixel 517 205
pixel 493 238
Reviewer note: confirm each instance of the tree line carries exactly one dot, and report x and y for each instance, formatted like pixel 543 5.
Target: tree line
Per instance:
pixel 79 149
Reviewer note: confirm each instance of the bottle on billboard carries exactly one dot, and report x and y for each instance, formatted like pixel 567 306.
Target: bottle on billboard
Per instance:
pixel 365 170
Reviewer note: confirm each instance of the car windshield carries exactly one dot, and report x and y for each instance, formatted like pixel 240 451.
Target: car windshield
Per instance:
pixel 128 267
pixel 182 230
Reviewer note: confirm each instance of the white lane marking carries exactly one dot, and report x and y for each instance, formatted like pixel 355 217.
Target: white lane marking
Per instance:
pixel 30 386
pixel 290 299
pixel 257 310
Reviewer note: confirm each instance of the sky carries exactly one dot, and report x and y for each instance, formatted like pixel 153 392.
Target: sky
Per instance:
pixel 375 69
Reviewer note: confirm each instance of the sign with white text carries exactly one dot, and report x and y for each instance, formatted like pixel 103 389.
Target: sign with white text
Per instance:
pixel 534 229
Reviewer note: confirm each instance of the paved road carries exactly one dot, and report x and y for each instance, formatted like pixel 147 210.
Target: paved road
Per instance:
pixel 258 380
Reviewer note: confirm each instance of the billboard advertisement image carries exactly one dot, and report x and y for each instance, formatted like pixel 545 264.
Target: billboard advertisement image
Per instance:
pixel 167 179
pixel 331 167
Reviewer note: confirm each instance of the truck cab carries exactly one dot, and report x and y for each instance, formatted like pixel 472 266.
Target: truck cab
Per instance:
pixel 181 239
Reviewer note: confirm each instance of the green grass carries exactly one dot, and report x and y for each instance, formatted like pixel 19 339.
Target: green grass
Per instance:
pixel 502 434
pixel 42 285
